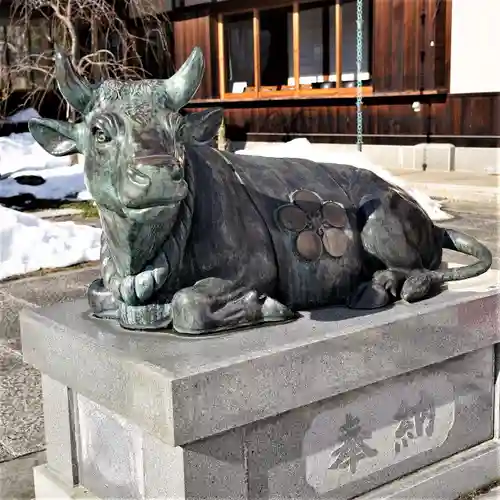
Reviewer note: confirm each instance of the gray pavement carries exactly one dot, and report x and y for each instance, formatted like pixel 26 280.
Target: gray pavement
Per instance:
pixel 471 187
pixel 478 220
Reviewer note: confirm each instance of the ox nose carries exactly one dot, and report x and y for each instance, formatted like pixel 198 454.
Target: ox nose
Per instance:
pixel 176 173
pixel 160 161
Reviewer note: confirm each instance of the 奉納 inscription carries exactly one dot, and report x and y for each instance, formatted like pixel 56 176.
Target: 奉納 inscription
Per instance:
pixel 413 421
pixel 354 447
pixel 378 429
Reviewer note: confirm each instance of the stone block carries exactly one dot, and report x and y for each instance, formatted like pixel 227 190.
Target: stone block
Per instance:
pixel 337 404
pixel 59 418
pixel 448 479
pixel 48 486
pixel 16 476
pixel 109 471
pixel 436 156
pixel 236 378
pixel 217 466
pixel 480 160
pixel 138 465
pixel 163 469
pixel 350 444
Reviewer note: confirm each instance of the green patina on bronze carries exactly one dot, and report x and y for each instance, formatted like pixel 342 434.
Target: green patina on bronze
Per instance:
pixel 202 240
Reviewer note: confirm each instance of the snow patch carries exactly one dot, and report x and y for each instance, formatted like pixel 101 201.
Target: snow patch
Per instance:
pixel 23 116
pixel 60 183
pixel 21 155
pixel 29 243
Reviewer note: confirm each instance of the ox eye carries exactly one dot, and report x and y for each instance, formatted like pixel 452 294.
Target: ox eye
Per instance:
pixel 100 135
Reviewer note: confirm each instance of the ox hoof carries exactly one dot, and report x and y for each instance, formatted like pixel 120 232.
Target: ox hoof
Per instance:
pixel 145 317
pixel 416 288
pixel 272 310
pixel 101 301
pixel 391 280
pixel 369 296
pixel 195 312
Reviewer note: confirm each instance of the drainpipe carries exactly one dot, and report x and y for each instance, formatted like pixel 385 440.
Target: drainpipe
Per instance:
pixel 428 116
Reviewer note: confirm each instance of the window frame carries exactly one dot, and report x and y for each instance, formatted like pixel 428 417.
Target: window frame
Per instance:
pixel 295 91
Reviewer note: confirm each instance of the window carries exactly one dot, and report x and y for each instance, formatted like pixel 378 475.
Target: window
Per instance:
pixel 238 54
pixel 300 49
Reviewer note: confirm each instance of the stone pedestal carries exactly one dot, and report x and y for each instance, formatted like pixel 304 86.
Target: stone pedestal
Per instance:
pixel 400 403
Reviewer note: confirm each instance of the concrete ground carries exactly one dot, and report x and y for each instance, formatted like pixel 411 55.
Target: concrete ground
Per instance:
pixel 457 187
pixel 21 413
pixel 480 220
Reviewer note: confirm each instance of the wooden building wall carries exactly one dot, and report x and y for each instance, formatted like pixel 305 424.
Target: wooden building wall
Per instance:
pixel 187 34
pixel 406 67
pixel 402 54
pixel 464 120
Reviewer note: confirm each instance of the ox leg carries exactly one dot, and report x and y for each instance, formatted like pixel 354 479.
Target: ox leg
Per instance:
pixel 215 304
pixel 104 305
pixel 384 288
pixel 101 301
pixel 394 253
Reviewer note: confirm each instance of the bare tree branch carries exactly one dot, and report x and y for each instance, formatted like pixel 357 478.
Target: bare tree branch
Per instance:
pixel 102 40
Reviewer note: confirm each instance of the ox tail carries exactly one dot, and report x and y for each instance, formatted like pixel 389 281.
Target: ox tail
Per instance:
pixel 417 287
pixel 468 245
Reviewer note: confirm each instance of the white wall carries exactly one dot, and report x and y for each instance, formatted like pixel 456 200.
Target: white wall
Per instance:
pixel 475 46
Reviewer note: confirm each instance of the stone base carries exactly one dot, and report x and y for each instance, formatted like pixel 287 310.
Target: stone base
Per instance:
pixel 16 476
pixel 445 480
pixel 400 403
pixel 49 486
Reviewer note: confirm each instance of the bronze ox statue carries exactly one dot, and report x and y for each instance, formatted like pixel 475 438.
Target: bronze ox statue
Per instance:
pixel 202 240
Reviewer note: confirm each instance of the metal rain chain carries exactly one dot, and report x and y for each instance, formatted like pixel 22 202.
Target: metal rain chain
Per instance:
pixel 359 83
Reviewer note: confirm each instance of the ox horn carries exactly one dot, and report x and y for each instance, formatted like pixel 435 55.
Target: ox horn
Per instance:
pixel 71 85
pixel 183 85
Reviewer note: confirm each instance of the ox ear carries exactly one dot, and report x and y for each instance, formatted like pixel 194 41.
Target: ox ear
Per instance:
pixel 204 125
pixel 56 137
